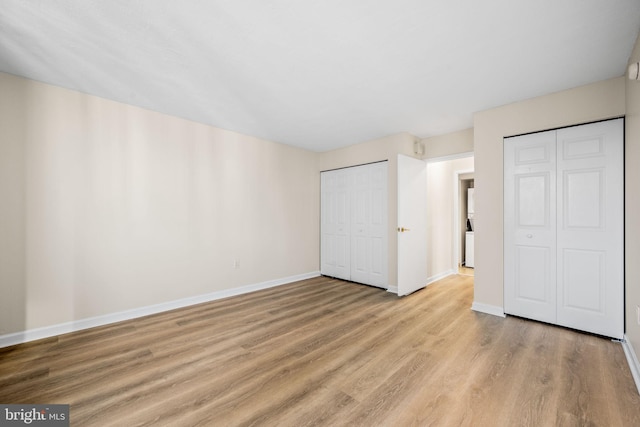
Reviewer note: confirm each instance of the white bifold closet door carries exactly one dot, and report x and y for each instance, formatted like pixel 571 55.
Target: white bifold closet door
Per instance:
pixel 354 224
pixel 563 227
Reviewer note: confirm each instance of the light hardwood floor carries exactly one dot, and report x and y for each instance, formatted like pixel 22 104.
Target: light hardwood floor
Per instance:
pixel 465 271
pixel 329 353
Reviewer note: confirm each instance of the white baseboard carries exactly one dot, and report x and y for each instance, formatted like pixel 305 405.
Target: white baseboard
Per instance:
pixel 488 309
pixel 430 280
pixel 632 360
pixel 442 275
pixel 64 328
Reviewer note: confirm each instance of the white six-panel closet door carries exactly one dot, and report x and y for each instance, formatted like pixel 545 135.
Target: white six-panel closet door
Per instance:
pixel 590 191
pixel 354 224
pixel 563 227
pixel 335 257
pixel 530 226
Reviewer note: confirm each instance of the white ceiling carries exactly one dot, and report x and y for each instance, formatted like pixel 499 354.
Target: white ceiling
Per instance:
pixel 319 74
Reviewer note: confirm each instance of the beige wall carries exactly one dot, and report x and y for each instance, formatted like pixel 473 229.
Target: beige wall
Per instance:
pixel 388 149
pixel 108 207
pixel 448 144
pixel 632 205
pixel 441 214
pixel 592 102
pixel 12 208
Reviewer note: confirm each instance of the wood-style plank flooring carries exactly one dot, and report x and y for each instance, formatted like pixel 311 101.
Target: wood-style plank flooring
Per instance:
pixel 328 353
pixel 465 271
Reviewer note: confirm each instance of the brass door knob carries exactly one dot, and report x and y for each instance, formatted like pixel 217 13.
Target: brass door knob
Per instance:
pixel 402 229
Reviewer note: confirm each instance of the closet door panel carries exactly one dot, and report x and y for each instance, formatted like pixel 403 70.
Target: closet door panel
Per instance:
pixel 327 236
pixel 354 224
pixel 590 228
pixel 378 261
pixel 368 226
pixel 360 219
pixel 584 281
pixel 584 199
pixel 378 225
pixel 360 261
pixel 335 224
pixel 532 267
pixel 529 226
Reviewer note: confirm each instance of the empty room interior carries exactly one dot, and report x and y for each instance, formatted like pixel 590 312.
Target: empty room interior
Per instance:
pixel 264 212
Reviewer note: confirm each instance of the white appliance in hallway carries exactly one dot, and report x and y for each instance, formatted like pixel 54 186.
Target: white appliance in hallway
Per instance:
pixel 469 252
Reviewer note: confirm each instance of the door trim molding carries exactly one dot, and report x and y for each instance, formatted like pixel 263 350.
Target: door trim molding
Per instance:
pixel 354 166
pixel 450 157
pixel 457 257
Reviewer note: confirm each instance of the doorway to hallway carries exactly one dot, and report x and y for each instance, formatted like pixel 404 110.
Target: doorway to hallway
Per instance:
pixel 448 181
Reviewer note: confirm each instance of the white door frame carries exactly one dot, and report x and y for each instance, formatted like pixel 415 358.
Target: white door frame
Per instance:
pixel 457 260
pixel 456 204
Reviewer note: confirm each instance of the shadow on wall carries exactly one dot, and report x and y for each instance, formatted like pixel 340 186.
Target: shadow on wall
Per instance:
pixel 108 207
pixel 13 134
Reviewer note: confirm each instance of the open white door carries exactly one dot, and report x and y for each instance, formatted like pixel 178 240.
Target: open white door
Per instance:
pixel 412 224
